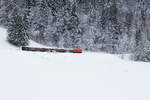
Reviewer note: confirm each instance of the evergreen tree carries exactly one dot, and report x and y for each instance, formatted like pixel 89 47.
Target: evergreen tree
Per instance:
pixel 42 21
pixel 17 30
pixel 142 52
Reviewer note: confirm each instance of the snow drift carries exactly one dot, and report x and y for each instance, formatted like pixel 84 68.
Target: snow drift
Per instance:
pixel 55 76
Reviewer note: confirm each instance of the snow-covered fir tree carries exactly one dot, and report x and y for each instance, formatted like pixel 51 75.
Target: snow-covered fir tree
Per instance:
pixel 17 30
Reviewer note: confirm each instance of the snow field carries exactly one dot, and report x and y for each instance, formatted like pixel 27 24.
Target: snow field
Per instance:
pixel 66 76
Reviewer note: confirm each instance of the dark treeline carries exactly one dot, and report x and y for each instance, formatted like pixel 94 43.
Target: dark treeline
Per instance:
pixel 112 26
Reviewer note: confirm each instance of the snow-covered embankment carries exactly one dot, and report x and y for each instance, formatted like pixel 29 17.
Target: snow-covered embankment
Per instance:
pixel 55 76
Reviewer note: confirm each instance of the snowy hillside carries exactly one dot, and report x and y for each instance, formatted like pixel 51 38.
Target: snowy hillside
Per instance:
pixel 56 76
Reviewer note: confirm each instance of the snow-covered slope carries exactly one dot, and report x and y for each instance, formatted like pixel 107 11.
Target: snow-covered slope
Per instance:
pixel 56 76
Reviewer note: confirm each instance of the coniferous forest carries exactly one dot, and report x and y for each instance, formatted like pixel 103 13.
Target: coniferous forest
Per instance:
pixel 111 26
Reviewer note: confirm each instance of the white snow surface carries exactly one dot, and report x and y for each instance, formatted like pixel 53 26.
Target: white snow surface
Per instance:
pixel 65 76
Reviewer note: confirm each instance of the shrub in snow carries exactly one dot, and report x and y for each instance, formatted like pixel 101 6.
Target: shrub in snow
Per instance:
pixel 142 53
pixel 141 56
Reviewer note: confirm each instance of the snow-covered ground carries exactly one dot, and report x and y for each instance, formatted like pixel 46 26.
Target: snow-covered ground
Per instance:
pixel 57 76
